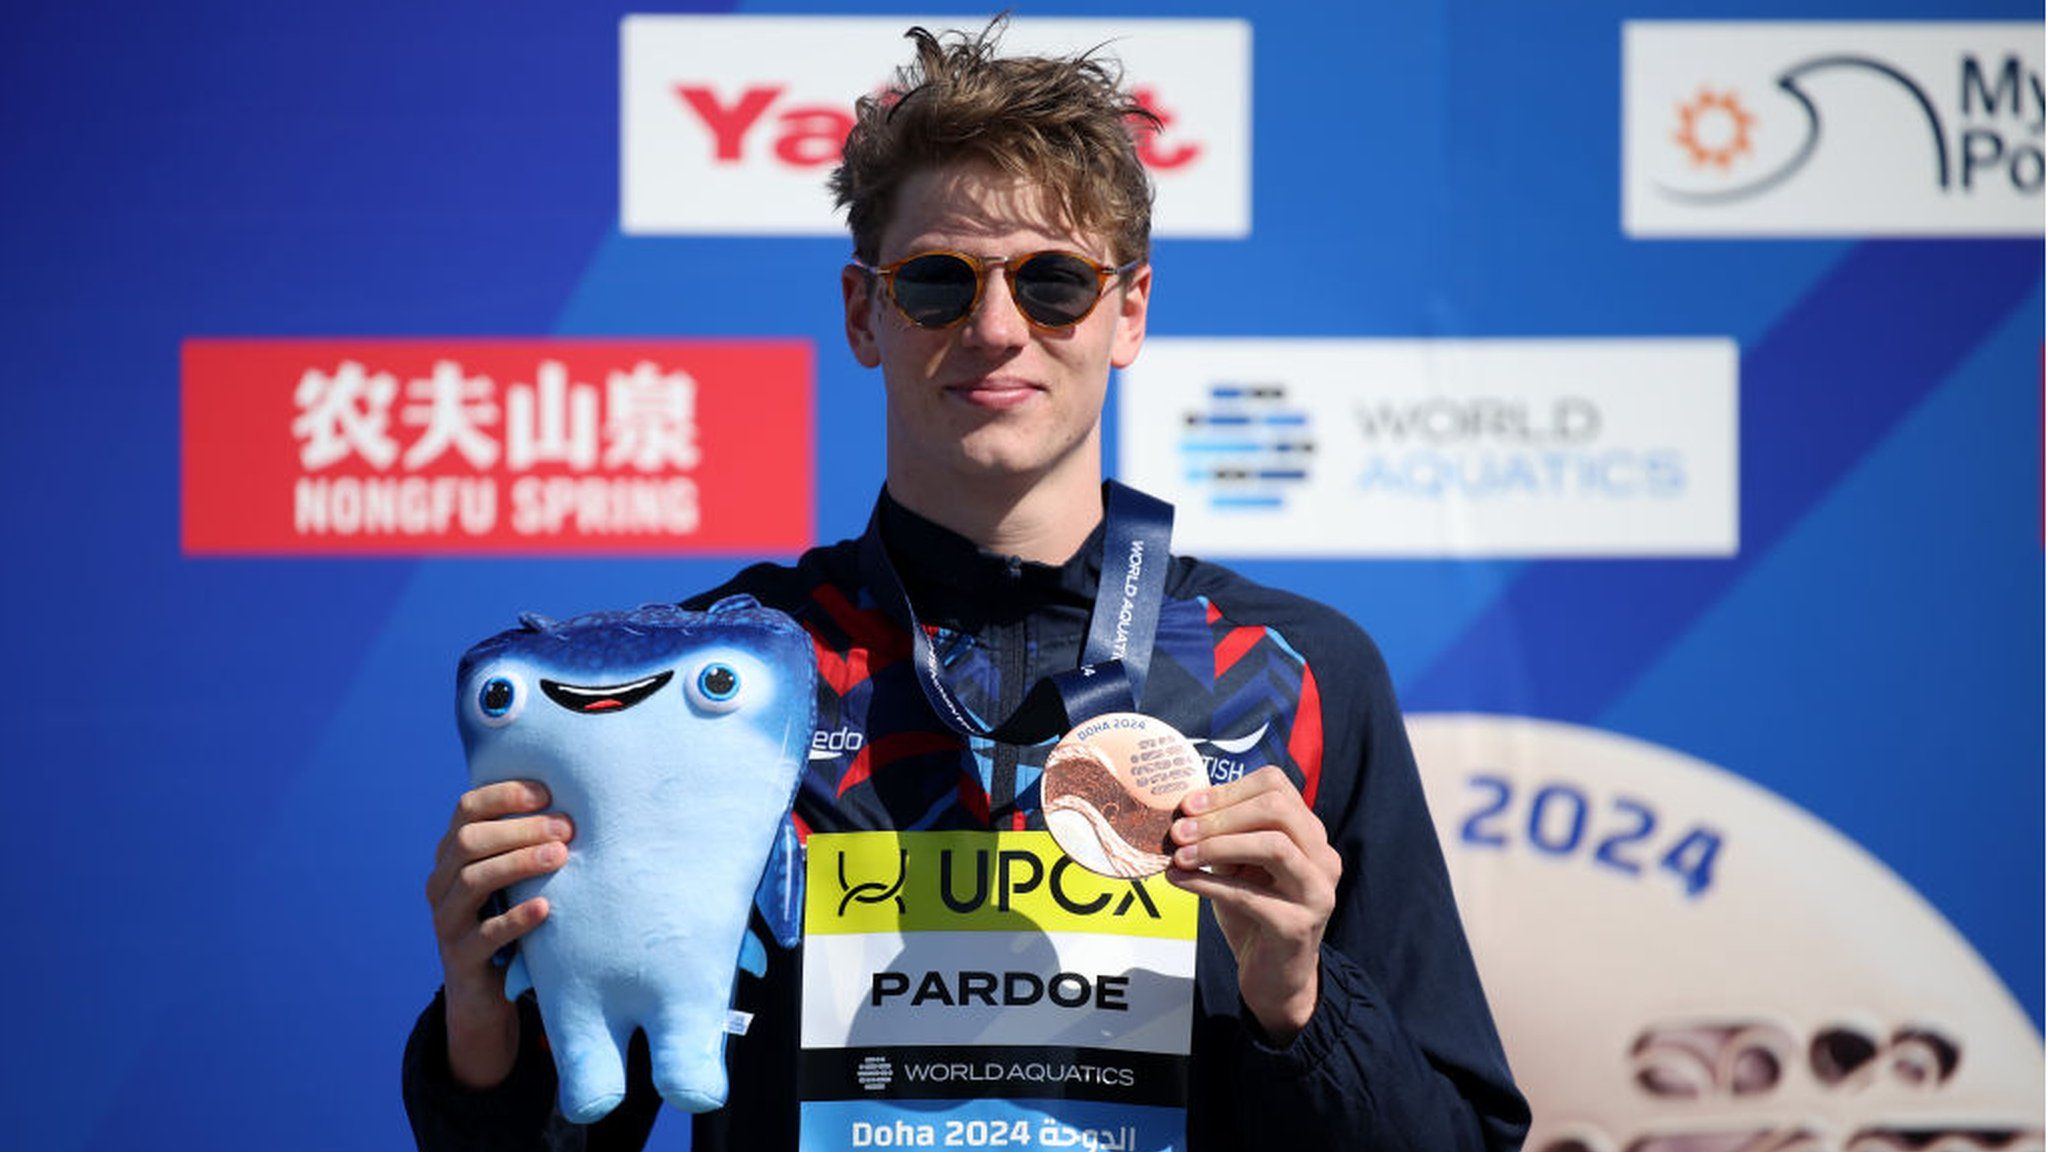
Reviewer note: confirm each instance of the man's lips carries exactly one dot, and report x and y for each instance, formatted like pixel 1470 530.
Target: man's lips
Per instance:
pixel 996 392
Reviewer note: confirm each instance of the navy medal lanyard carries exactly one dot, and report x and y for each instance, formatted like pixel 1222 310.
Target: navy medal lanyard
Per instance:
pixel 1137 531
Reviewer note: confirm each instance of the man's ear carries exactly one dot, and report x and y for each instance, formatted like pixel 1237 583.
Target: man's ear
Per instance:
pixel 856 285
pixel 1132 301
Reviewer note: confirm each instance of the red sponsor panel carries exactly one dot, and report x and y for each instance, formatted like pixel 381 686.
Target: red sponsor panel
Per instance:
pixel 483 447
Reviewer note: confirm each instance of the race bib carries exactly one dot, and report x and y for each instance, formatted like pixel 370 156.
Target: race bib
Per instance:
pixel 982 990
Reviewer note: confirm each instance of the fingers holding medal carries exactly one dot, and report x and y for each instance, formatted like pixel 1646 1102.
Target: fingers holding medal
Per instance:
pixel 1260 821
pixel 1258 855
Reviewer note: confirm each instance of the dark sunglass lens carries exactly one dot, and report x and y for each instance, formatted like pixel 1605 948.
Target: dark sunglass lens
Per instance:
pixel 1056 290
pixel 935 290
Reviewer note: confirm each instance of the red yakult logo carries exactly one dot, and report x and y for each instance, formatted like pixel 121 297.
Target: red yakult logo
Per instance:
pixel 730 122
pixel 811 135
pixel 527 446
pixel 805 135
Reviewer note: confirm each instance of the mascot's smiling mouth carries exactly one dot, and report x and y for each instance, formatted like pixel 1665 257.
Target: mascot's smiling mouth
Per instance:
pixel 604 697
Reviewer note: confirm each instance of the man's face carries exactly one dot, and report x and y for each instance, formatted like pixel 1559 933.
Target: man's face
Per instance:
pixel 992 398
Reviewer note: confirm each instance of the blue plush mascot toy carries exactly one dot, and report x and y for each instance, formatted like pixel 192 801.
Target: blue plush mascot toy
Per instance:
pixel 674 741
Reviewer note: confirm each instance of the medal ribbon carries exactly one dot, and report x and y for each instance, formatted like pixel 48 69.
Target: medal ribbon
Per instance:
pixel 1137 532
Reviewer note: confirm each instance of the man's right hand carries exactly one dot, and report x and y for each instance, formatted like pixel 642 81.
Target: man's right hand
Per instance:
pixel 490 843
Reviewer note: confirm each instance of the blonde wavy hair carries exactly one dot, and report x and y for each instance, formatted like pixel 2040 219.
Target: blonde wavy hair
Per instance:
pixel 1064 123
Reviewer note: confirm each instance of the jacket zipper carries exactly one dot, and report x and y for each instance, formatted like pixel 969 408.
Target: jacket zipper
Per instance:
pixel 1010 694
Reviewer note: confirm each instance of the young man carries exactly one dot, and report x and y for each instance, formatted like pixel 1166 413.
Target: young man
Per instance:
pixel 1001 226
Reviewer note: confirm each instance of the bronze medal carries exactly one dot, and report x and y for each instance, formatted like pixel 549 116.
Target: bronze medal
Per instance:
pixel 1111 789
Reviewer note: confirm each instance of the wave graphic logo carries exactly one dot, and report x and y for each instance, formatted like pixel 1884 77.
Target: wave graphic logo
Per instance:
pixel 1832 129
pixel 1715 130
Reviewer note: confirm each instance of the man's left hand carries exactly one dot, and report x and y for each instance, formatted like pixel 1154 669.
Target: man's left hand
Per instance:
pixel 1262 859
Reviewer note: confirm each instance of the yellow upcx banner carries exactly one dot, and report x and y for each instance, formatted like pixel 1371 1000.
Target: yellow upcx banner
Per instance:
pixel 868 882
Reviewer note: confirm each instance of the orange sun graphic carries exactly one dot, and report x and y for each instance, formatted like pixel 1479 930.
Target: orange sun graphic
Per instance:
pixel 1714 129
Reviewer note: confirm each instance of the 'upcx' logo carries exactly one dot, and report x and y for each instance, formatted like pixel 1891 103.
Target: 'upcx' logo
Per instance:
pixel 998 879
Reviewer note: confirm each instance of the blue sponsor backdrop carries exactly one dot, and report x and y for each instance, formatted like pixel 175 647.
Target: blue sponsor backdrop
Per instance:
pixel 225 777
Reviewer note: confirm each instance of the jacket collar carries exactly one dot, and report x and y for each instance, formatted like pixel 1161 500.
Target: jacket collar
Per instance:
pixel 956 584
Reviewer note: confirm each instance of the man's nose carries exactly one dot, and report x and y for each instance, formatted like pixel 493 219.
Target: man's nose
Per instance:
pixel 996 321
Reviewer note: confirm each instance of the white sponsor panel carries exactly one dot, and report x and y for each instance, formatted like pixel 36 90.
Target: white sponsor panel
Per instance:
pixel 1349 448
pixel 1831 129
pixel 1058 989
pixel 1680 960
pixel 730 124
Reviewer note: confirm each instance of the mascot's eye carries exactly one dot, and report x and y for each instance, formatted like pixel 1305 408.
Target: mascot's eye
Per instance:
pixel 497 697
pixel 718 682
pixel 716 688
pixel 498 700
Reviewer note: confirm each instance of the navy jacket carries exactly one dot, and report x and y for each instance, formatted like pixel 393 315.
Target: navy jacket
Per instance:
pixel 1401 1052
